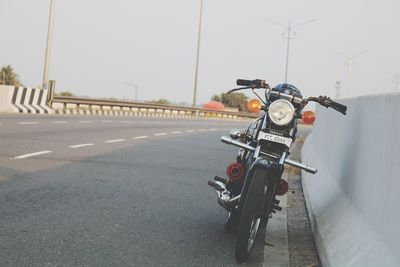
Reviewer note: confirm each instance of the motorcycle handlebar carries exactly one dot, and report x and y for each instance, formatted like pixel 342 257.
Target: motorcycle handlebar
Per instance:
pixel 252 83
pixel 329 103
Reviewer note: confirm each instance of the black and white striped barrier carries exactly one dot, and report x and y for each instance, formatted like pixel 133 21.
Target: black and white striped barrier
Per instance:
pixel 23 100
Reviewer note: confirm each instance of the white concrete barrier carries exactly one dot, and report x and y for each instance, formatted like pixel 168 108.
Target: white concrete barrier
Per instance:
pixel 23 100
pixel 354 199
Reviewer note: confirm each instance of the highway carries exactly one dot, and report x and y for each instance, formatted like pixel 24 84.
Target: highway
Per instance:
pixel 113 191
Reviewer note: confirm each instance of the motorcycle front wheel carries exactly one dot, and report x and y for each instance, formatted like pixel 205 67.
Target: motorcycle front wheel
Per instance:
pixel 250 217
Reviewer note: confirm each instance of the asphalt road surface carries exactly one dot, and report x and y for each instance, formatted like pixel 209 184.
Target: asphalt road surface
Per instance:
pixel 113 191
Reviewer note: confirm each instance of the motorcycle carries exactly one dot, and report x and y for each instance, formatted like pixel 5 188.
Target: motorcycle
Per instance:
pixel 254 180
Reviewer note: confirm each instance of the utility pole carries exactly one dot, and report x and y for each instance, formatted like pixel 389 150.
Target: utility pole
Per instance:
pixel 338 87
pixel 396 79
pixel 48 47
pixel 349 63
pixel 197 56
pixel 289 34
pixel 134 86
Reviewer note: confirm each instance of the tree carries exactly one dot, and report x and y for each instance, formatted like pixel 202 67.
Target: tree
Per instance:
pixel 66 93
pixel 9 77
pixel 161 101
pixel 233 100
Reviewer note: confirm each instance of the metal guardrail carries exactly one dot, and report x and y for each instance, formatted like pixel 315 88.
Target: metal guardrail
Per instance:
pixel 83 104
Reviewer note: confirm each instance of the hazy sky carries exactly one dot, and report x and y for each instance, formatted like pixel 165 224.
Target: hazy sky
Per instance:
pixel 152 43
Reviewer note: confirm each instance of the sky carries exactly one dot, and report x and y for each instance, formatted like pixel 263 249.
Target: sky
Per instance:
pixel 152 43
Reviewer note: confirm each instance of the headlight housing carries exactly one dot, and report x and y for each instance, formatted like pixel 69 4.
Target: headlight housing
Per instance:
pixel 281 112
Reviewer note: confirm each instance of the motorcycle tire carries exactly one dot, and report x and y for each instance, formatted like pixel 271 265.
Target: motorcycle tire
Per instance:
pixel 250 219
pixel 232 221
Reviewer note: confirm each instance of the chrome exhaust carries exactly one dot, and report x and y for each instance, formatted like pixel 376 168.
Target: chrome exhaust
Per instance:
pixel 224 196
pixel 230 141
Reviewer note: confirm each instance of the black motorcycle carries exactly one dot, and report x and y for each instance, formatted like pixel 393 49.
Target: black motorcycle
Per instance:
pixel 254 180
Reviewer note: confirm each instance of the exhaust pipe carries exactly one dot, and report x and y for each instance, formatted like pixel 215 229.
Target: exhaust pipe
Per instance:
pixel 224 198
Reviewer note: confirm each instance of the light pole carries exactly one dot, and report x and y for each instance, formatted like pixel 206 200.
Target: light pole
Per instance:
pixel 349 63
pixel 396 79
pixel 131 85
pixel 197 56
pixel 48 46
pixel 338 87
pixel 289 34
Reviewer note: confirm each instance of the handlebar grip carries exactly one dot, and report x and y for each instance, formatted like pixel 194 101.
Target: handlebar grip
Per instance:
pixel 327 102
pixel 253 84
pixel 339 107
pixel 242 82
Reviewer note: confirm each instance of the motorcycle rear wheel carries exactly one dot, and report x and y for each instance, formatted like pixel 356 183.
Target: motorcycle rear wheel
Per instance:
pixel 250 219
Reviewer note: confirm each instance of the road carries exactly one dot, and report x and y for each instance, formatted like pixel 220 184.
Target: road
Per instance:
pixel 113 191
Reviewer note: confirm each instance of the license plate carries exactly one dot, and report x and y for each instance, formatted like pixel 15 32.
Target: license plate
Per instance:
pixel 275 138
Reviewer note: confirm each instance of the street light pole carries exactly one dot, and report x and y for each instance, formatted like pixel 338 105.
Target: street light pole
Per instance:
pixel 287 50
pixel 48 46
pixel 289 34
pixel 134 85
pixel 197 56
pixel 349 63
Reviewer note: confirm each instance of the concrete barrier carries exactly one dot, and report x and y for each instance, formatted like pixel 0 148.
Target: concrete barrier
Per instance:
pixel 353 200
pixel 23 100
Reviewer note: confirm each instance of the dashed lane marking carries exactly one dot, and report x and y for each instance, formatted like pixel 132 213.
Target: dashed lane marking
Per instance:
pixel 81 145
pixel 106 121
pixel 189 131
pixel 140 137
pixel 32 154
pixel 59 122
pixel 201 130
pixel 213 129
pixel 159 134
pixel 28 122
pixel 115 141
pixel 176 132
pixel 85 121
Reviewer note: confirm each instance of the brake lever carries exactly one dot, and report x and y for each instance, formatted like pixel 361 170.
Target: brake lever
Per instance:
pixel 238 89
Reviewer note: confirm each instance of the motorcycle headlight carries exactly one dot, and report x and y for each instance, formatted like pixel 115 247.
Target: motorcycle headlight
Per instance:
pixel 281 112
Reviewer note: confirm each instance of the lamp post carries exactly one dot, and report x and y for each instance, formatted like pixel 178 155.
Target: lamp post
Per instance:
pixel 48 46
pixel 133 85
pixel 396 79
pixel 349 63
pixel 289 34
pixel 197 55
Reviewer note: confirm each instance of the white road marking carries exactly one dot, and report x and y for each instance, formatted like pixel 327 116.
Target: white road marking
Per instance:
pixel 126 121
pixel 28 122
pixel 159 134
pixel 106 121
pixel 201 130
pixel 176 132
pixel 189 131
pixel 213 129
pixel 115 141
pixel 81 145
pixel 85 121
pixel 140 137
pixel 32 154
pixel 59 122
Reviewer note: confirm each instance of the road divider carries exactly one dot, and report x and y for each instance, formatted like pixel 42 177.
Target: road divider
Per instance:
pixel 353 200
pixel 14 99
